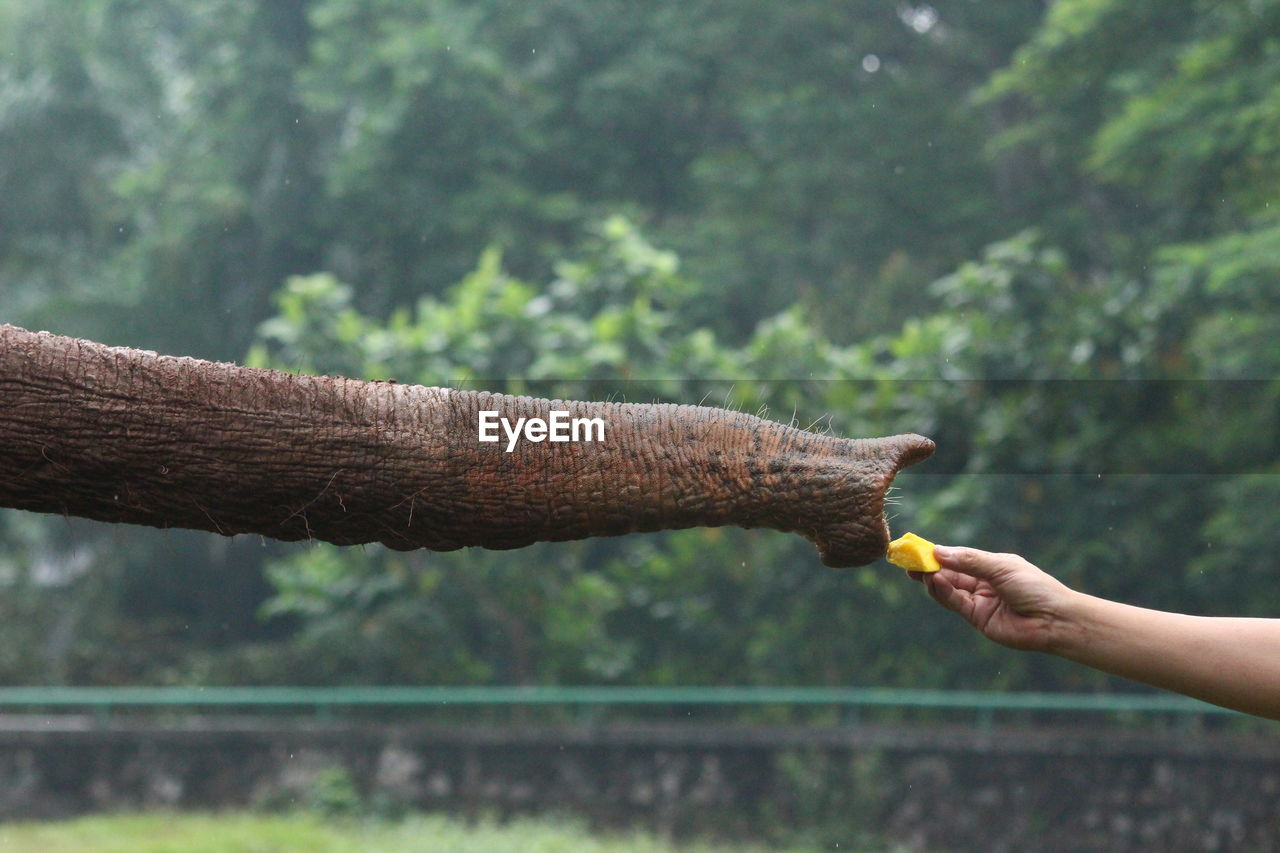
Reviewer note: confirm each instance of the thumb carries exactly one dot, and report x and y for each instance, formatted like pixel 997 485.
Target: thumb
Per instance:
pixel 971 561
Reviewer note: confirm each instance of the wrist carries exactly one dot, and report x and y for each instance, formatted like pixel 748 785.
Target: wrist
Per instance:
pixel 1068 633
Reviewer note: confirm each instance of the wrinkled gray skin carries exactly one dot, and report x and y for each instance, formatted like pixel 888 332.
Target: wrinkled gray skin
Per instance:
pixel 124 435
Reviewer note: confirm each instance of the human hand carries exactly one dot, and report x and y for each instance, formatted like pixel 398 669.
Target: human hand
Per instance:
pixel 1002 595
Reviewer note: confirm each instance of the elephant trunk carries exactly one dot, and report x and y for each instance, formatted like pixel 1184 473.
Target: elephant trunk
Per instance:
pixel 124 435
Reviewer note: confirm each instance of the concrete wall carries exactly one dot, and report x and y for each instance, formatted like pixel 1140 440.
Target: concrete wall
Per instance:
pixel 918 788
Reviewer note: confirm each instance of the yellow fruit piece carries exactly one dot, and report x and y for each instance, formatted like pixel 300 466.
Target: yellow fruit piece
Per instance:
pixel 913 553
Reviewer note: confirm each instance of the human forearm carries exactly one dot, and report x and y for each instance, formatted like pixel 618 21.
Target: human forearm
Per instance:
pixel 1233 662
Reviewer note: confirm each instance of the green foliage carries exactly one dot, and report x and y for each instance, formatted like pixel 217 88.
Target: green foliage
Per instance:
pixel 638 609
pixel 332 793
pixel 1202 134
pixel 608 314
pixel 1147 121
pixel 1050 376
pixel 166 165
pixel 1233 277
pixel 1112 358
pixel 42 592
pixel 1090 186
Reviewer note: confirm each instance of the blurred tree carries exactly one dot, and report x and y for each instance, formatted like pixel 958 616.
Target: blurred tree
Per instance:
pixel 165 166
pixel 1153 128
pixel 227 203
pixel 692 606
pixel 157 169
pixel 55 135
pixel 795 152
pixel 1144 122
pixel 1067 431
pixel 205 151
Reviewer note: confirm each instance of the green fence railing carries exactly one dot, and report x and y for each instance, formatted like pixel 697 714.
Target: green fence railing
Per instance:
pixel 323 700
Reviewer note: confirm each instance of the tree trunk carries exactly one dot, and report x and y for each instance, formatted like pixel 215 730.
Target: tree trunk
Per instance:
pixel 123 435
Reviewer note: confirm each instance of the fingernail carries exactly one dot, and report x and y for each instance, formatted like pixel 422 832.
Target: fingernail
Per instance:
pixel 943 552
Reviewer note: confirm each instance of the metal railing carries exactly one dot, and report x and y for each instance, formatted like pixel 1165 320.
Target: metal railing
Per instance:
pixel 324 700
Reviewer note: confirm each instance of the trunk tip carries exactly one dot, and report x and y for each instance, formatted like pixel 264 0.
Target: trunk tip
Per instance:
pixel 858 533
pixel 911 448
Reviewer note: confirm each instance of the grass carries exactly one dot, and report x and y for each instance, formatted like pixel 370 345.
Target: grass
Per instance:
pixel 241 832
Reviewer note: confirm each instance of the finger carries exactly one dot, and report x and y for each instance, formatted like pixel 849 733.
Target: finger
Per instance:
pixel 945 593
pixel 975 562
pixel 968 583
pixel 961 601
pixel 930 586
